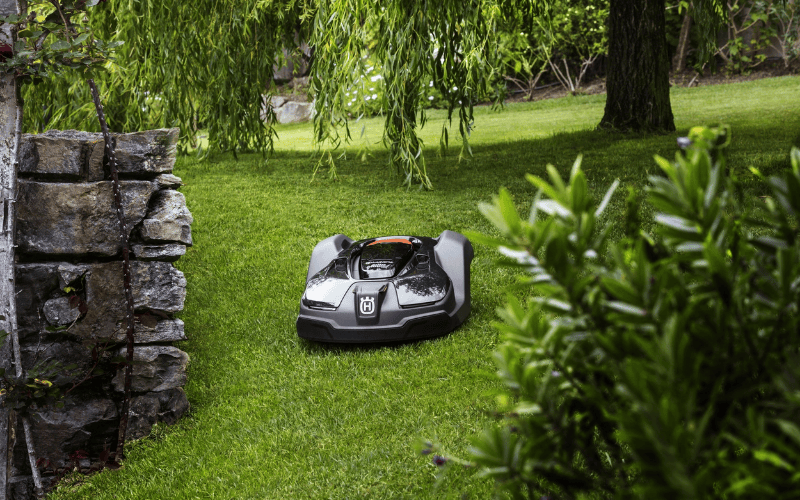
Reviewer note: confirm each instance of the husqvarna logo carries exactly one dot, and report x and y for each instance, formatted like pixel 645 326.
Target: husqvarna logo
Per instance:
pixel 367 305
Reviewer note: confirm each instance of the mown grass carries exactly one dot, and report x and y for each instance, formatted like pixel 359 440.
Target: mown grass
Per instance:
pixel 277 417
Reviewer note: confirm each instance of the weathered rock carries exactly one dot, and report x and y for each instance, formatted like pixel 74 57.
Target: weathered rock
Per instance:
pixel 148 409
pixel 169 219
pixel 59 311
pixel 283 74
pixel 293 66
pixel 278 101
pixel 295 112
pixel 71 274
pixel 95 166
pixel 168 181
pixel 168 253
pixel 152 151
pixel 156 368
pixel 34 284
pixel 105 303
pixel 63 219
pixel 85 423
pixel 168 330
pixel 62 154
pixel 79 155
pixel 156 285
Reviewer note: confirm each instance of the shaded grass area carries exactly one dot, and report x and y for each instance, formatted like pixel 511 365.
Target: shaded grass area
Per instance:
pixel 277 417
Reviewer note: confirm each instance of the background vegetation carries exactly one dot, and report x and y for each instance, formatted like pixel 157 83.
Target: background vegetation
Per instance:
pixel 450 54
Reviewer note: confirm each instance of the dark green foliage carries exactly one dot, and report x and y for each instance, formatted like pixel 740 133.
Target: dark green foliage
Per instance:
pixel 751 29
pixel 54 37
pixel 655 367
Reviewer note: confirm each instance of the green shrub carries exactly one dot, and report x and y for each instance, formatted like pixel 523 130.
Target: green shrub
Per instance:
pixel 562 44
pixel 653 367
pixel 785 18
pixel 750 28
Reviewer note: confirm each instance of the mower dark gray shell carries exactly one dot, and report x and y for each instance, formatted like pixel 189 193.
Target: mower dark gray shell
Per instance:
pixel 387 289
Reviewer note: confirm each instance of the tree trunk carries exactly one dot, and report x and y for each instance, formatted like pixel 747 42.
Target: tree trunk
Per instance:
pixel 10 110
pixel 637 81
pixel 679 61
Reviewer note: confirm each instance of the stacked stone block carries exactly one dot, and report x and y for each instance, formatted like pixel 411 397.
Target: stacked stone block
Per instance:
pixel 70 297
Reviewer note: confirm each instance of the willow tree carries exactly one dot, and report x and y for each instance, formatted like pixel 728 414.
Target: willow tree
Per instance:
pixel 199 64
pixel 208 63
pixel 452 44
pixel 442 43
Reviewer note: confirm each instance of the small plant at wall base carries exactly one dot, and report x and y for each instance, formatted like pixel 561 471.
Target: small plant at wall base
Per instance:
pixel 661 366
pixel 35 391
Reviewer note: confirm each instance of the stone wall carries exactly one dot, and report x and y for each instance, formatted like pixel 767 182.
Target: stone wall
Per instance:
pixel 70 298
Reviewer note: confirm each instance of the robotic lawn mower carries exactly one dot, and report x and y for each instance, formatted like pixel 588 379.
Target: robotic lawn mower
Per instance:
pixel 386 289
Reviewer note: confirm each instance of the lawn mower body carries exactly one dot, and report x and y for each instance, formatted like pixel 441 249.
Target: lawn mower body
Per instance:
pixel 387 289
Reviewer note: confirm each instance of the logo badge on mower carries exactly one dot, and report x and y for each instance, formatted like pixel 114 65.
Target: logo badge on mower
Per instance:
pixel 368 302
pixel 367 305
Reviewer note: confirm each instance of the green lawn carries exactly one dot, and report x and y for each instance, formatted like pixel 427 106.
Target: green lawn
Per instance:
pixel 275 417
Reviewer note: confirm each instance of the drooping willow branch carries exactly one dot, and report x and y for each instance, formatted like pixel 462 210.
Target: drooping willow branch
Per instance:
pixel 444 45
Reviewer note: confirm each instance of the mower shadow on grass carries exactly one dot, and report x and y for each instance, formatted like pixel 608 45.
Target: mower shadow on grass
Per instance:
pixel 325 348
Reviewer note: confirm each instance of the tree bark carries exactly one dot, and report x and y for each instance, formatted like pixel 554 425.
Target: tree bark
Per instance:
pixel 679 61
pixel 637 81
pixel 10 134
pixel 10 114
